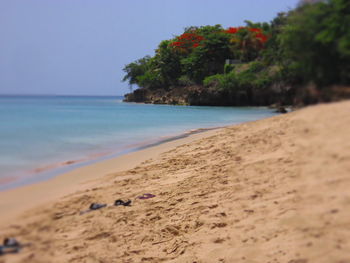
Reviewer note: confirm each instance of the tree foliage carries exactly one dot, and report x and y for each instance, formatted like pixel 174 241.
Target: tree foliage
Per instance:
pixel 197 53
pixel 136 69
pixel 316 41
pixel 310 44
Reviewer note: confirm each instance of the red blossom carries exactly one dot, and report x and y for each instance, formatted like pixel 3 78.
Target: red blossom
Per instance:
pixel 176 44
pixel 187 41
pixel 231 30
pixel 261 37
pixel 256 30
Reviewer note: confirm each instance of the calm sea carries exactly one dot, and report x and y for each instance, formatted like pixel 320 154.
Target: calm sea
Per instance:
pixel 40 133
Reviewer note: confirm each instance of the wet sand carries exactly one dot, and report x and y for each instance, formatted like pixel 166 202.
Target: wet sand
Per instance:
pixel 274 190
pixel 15 201
pixel 49 171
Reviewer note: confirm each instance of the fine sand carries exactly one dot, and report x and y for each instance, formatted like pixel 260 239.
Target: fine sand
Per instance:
pixel 274 190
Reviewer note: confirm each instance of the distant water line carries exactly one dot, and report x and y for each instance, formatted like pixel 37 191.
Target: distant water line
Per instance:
pixel 42 136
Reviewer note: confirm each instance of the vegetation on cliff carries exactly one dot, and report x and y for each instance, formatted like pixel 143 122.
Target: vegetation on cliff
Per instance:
pixel 302 56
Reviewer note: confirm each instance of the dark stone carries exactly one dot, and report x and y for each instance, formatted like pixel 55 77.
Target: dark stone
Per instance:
pixel 281 110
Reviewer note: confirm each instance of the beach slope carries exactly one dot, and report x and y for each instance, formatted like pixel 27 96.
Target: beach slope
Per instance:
pixel 274 190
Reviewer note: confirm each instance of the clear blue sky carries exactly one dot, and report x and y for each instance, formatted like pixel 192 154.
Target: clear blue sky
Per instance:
pixel 80 46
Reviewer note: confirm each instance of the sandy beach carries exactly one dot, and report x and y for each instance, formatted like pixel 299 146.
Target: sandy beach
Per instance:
pixel 274 190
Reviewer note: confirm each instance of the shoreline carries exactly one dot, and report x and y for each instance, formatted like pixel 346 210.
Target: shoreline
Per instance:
pixel 32 158
pixel 50 171
pixel 14 201
pixel 273 189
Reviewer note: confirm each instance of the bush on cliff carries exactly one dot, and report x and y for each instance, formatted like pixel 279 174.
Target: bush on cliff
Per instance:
pixel 197 53
pixel 316 40
pixel 274 62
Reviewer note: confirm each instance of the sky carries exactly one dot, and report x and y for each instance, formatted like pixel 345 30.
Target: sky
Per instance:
pixel 79 47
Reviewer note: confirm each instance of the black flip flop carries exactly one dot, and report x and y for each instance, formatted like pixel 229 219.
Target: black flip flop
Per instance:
pixel 93 206
pixel 11 245
pixel 9 250
pixel 96 206
pixel 121 202
pixel 11 242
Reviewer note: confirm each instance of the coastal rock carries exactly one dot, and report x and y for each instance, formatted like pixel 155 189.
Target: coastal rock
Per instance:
pixel 198 95
pixel 281 110
pixel 139 95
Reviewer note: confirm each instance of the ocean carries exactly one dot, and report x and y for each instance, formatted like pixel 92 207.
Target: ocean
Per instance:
pixel 42 136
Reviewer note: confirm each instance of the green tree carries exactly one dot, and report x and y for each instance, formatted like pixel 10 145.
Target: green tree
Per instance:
pixel 136 69
pixel 209 58
pixel 316 42
pixel 272 54
pixel 168 63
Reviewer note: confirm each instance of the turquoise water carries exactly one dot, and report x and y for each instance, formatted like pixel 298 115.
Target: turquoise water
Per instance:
pixel 44 131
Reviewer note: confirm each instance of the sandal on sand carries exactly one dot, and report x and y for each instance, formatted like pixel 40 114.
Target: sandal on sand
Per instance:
pixel 11 242
pixel 9 250
pixel 11 245
pixel 146 196
pixel 93 206
pixel 96 206
pixel 121 202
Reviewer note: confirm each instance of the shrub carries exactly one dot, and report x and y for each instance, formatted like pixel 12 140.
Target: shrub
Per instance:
pixel 228 68
pixel 213 81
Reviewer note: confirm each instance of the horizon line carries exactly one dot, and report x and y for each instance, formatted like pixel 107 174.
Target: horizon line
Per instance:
pixel 61 95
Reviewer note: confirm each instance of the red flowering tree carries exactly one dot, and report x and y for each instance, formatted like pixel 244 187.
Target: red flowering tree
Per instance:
pixel 246 41
pixel 187 42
